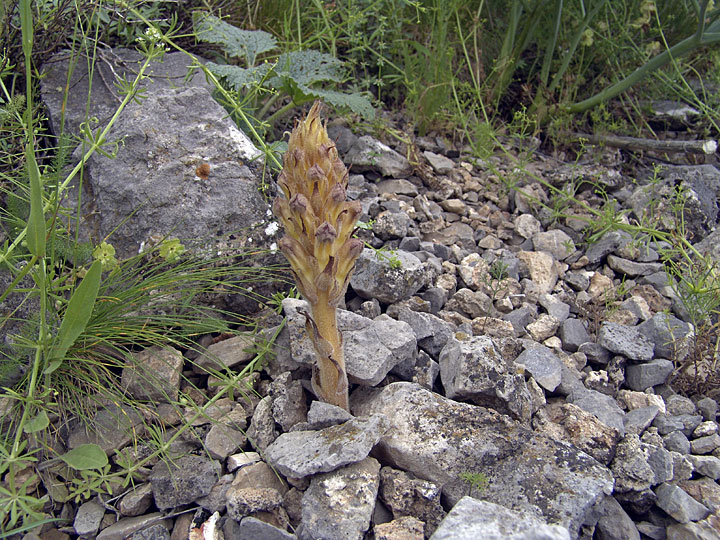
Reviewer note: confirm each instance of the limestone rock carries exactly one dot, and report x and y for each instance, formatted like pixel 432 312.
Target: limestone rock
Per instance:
pixel 471 519
pixel 438 439
pixel 369 154
pixel 338 504
pixel 302 453
pixel 182 481
pixel 376 277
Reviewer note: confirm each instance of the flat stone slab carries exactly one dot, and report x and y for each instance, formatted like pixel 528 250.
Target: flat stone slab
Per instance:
pixel 302 453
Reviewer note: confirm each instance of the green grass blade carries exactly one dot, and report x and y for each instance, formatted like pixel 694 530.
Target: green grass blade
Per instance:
pixel 77 315
pixel 36 221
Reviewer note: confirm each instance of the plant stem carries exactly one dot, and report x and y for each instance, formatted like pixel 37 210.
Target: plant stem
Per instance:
pixel 330 378
pixel 687 45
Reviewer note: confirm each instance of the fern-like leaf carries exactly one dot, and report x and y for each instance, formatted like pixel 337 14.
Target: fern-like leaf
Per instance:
pixel 245 44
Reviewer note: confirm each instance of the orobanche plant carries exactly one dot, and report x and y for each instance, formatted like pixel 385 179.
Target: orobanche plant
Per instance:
pixel 319 224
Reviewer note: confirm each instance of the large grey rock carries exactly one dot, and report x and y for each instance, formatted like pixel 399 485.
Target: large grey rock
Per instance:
pixel 613 522
pixel 375 277
pixel 289 405
pixel 372 347
pixel 543 365
pixel 262 431
pixel 338 505
pixel 183 480
pixel 157 531
pixel 302 453
pixel 632 268
pixel 473 368
pixel 607 244
pixel 626 340
pixel 431 331
pixel 369 154
pixel 439 439
pixel 603 406
pixel 322 415
pixel 471 519
pixel 152 189
pixel 573 334
pixel 440 163
pixel 671 336
pixel 171 72
pixel 679 504
pixel 640 377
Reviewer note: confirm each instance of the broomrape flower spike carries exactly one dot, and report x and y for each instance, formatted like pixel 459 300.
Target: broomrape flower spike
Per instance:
pixel 318 243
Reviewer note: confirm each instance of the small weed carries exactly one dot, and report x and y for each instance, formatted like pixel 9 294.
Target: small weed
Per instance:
pixel 476 481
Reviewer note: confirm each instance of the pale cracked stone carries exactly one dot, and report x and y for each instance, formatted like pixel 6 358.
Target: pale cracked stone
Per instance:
pixel 526 225
pixel 555 242
pixel 376 277
pixel 302 453
pixel 227 353
pixel 406 495
pixel 569 423
pixel 338 505
pixel 473 270
pixel 402 528
pixel 439 439
pixel 542 267
pixel 369 154
pixel 472 519
pixel 154 374
pixel 473 368
pixel 543 327
pixel 638 400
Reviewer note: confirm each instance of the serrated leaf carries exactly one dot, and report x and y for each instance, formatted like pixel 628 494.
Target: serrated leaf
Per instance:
pixel 245 44
pixel 37 423
pixel 77 315
pixel 357 103
pixel 239 78
pixel 308 67
pixel 86 456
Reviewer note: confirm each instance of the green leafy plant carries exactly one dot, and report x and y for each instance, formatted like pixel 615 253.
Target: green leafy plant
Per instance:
pixel 476 481
pixel 297 74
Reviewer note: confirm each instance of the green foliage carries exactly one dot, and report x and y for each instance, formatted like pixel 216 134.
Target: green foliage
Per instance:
pixel 477 481
pixel 296 74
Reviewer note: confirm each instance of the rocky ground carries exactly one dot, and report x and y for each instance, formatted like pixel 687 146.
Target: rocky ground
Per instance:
pixel 508 380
